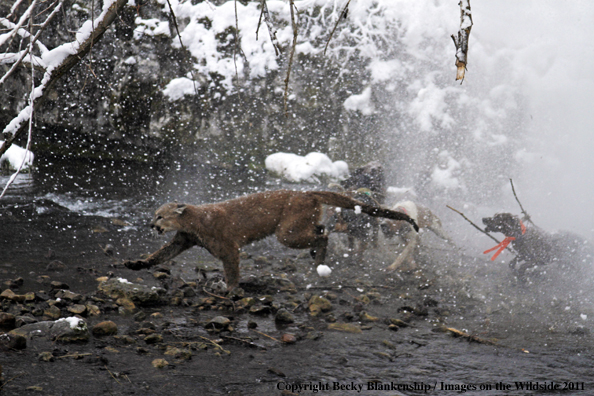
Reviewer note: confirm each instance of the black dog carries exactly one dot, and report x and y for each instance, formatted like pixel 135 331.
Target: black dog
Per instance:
pixel 369 176
pixel 534 247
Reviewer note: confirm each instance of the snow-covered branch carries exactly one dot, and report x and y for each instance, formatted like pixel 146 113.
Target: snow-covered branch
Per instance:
pixel 59 61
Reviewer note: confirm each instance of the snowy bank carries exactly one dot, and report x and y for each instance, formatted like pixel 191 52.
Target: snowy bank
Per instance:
pixel 296 168
pixel 14 156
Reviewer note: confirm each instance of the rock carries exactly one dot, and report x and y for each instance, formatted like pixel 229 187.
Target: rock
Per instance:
pixel 7 321
pixel 160 275
pixel 153 339
pixel 178 353
pixel 284 316
pixel 365 317
pixel 53 312
pixel 346 327
pixel 77 309
pixel 67 295
pixel 125 339
pixel 289 338
pixel 14 283
pixel 160 363
pixel 56 265
pixel 319 304
pixel 10 295
pixel 398 322
pixel 127 307
pixel 46 357
pixel 105 328
pixel 24 320
pixel 139 294
pixel 59 285
pixel 12 341
pixel 218 323
pixel 260 310
pixel 93 310
pixel 393 327
pixel 70 329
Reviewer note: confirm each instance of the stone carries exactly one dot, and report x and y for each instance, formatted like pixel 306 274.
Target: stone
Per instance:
pixel 56 265
pixel 160 363
pixel 137 293
pixel 24 320
pixel 125 339
pixel 218 323
pixel 93 310
pixel 365 317
pixel 288 338
pixel 59 285
pixel 67 295
pixel 53 312
pixel 105 328
pixel 77 309
pixel 127 307
pixel 12 341
pixel 346 327
pixel 284 316
pixel 65 330
pixel 318 305
pixel 46 357
pixel 178 353
pixel 7 321
pixel 153 339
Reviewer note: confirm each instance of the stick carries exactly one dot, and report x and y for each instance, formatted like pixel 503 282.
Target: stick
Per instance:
pixel 266 335
pixel 474 225
pixel 215 344
pixel 526 215
pixel 343 14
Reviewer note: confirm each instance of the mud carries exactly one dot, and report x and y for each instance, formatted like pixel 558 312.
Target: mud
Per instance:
pixel 381 334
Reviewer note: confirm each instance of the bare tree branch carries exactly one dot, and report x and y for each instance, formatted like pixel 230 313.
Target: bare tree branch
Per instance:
pixel 527 217
pixel 271 29
pixel 342 15
pixel 461 42
pixel 292 53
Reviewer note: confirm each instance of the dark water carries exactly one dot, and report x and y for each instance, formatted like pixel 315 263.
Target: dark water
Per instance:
pixel 70 211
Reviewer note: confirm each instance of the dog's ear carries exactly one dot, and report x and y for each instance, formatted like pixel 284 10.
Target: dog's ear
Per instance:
pixel 180 209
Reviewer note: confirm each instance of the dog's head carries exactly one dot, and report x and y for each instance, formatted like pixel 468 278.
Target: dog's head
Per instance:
pixel 505 223
pixel 166 218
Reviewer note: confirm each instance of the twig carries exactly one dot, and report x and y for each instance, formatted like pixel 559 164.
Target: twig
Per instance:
pixel 215 344
pixel 221 297
pixel 112 376
pixel 474 225
pixel 471 338
pixel 266 335
pixel 74 355
pixel 249 343
pixel 292 53
pixel 343 14
pixel 527 217
pixel 264 13
pixel 12 379
pixel 461 42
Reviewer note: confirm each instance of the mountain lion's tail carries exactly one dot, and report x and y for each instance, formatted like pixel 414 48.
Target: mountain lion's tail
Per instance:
pixel 336 199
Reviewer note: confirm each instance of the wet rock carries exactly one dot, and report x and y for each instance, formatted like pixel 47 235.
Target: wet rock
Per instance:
pixel 14 283
pixel 365 317
pixel 12 341
pixel 260 310
pixel 252 325
pixel 7 321
pixel 160 275
pixel 46 357
pixel 125 339
pixel 140 316
pixel 288 338
pixel 346 327
pixel 12 296
pixel 398 322
pixel 59 285
pixel 218 323
pixel 178 353
pixel 93 310
pixel 105 328
pixel 393 327
pixel 77 309
pixel 53 312
pixel 67 295
pixel 363 299
pixel 66 330
pixel 153 339
pixel 126 306
pixel 24 320
pixel 284 316
pixel 140 294
pixel 160 363
pixel 318 305
pixel 56 265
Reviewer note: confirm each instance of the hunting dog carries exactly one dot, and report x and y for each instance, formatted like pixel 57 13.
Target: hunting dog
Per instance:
pixel 534 247
pixel 424 218
pixel 223 228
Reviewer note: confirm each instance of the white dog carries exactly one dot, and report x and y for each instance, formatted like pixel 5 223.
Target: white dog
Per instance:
pixel 424 218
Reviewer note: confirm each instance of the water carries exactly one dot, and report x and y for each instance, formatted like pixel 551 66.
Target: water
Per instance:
pixel 543 328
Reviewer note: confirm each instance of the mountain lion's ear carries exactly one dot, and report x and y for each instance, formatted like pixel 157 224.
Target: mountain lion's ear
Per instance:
pixel 180 209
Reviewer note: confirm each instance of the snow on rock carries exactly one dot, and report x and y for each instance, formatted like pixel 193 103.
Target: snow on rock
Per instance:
pixel 15 155
pixel 178 87
pixel 296 168
pixel 362 103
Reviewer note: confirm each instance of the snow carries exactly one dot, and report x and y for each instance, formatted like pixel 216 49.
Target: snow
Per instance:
pixel 296 168
pixel 73 321
pixel 15 155
pixel 360 102
pixel 324 270
pixel 178 87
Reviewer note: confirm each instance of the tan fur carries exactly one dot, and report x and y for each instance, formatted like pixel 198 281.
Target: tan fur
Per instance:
pixel 223 228
pixel 425 219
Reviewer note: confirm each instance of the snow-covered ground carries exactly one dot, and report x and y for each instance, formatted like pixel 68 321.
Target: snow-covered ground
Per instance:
pixel 15 155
